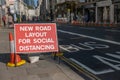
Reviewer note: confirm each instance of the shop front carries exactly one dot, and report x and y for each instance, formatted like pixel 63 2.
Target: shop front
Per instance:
pixel 103 12
pixel 89 11
pixel 66 10
pixel 116 11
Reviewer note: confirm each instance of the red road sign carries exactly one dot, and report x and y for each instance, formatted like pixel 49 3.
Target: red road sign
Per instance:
pixel 30 38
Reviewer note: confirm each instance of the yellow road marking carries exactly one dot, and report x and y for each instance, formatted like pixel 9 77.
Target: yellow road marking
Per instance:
pixel 80 69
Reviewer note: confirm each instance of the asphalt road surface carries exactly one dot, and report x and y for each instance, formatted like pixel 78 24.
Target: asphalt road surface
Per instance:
pixel 93 50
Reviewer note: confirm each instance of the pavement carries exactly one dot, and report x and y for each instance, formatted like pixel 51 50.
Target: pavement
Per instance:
pixel 45 69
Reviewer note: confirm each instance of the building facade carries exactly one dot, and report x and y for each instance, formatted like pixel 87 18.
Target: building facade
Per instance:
pixel 47 9
pixel 116 10
pixel 69 9
pixel 38 9
pixel 103 11
pixel 43 10
pixel 97 11
pixel 17 8
pixel 29 2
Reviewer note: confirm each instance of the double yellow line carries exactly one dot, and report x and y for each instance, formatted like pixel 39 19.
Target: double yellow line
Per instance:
pixel 80 69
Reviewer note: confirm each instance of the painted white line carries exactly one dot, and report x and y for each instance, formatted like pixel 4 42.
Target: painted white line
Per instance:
pixel 87 28
pixel 84 28
pixel 91 70
pixel 114 64
pixel 118 52
pixel 95 38
pixel 113 55
pixel 112 30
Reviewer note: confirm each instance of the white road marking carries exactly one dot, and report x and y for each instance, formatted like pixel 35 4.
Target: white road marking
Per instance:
pixel 84 28
pixel 113 55
pixel 91 70
pixel 112 30
pixel 87 28
pixel 109 61
pixel 118 52
pixel 95 38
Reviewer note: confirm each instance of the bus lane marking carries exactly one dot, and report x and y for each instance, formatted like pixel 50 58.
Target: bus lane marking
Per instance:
pixel 95 38
pixel 112 63
pixel 91 70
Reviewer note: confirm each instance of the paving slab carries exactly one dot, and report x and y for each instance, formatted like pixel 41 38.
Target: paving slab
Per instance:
pixel 46 69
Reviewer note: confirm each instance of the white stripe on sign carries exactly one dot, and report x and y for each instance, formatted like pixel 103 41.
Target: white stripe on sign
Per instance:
pixel 95 38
